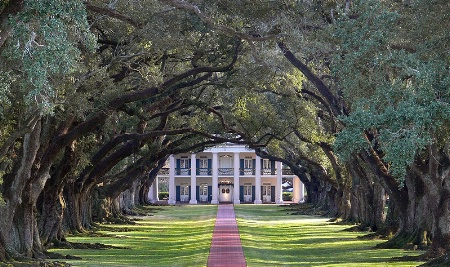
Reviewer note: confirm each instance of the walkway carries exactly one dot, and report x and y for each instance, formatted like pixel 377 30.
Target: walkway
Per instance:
pixel 226 248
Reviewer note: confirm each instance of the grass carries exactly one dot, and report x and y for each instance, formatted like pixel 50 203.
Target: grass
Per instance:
pixel 271 236
pixel 174 236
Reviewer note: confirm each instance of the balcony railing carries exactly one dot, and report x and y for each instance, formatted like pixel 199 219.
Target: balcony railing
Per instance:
pixel 226 171
pixel 182 171
pixel 247 171
pixel 204 171
pixel 223 171
pixel 268 171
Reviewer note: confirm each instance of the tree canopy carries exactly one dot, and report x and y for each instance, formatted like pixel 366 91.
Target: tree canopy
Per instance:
pixel 351 95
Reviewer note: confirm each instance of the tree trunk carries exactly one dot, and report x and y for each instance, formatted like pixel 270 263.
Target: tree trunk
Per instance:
pixel 368 197
pixel 441 231
pixel 16 240
pixel 436 188
pixel 52 210
pixel 143 193
pixel 325 198
pixel 52 203
pixel 414 221
pixel 72 213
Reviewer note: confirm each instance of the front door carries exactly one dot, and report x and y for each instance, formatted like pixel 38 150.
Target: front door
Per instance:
pixel 266 193
pixel 184 192
pixel 225 193
pixel 203 193
pixel 247 193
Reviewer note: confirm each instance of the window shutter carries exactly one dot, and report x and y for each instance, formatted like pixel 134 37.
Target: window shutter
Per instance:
pixel 254 165
pixel 177 171
pixel 241 193
pixel 272 166
pixel 209 193
pixel 189 171
pixel 190 193
pixel 253 193
pixel 197 167
pixel 197 192
pixel 262 167
pixel 209 168
pixel 272 190
pixel 242 167
pixel 177 198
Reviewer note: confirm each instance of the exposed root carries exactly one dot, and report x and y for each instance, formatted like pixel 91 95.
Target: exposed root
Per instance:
pixel 412 241
pixel 35 263
pixel 406 258
pixel 120 220
pixel 74 245
pixel 442 261
pixel 304 209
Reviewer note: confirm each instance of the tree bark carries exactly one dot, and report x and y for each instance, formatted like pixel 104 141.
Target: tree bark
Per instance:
pixel 368 197
pixel 52 203
pixel 18 241
pixel 436 189
pixel 72 213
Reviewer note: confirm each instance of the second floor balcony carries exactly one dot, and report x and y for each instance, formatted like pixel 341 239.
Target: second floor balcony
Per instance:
pixel 223 171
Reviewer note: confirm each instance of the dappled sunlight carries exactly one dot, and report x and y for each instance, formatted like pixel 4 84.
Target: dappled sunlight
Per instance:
pixel 272 237
pixel 173 236
pixel 181 236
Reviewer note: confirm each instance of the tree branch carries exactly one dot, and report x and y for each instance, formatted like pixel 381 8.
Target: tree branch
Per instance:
pixel 13 7
pixel 113 14
pixel 316 81
pixel 222 28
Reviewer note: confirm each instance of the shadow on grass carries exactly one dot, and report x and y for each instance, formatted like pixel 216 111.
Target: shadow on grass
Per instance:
pixel 172 236
pixel 274 237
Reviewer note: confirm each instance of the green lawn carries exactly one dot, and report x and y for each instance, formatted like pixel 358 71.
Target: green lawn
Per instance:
pixel 271 236
pixel 174 236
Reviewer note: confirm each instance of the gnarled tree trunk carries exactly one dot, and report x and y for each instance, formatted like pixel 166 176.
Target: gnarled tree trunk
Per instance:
pixel 368 197
pixel 18 240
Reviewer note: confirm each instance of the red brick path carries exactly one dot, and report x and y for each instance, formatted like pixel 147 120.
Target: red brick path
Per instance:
pixel 226 248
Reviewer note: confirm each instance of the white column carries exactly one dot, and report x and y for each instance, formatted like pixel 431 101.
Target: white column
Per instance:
pixel 151 193
pixel 278 186
pixel 236 179
pixel 296 185
pixel 193 180
pixel 215 178
pixel 258 181
pixel 172 193
pixel 302 192
pixel 156 188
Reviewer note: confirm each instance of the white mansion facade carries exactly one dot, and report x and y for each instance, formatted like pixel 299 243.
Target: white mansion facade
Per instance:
pixel 226 173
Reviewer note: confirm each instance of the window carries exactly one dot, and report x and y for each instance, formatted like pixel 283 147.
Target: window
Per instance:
pixel 247 189
pixel 266 189
pixel 204 189
pixel 184 163
pixel 248 163
pixel 184 189
pixel 266 164
pixel 203 163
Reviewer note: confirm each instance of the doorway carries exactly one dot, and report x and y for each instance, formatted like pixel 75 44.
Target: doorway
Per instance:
pixel 248 196
pixel 266 192
pixel 184 192
pixel 225 192
pixel 203 192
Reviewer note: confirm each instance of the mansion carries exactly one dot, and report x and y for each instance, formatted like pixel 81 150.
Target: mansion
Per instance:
pixel 227 173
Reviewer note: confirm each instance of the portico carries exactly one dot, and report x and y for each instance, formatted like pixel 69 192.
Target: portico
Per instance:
pixel 225 174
